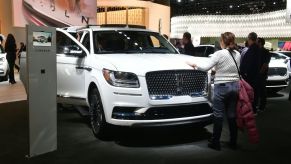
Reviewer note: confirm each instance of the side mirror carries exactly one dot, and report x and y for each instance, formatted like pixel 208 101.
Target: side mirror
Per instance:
pixel 78 53
pixel 74 51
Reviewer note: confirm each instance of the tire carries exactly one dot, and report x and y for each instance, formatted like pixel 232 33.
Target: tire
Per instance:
pixel 4 78
pixel 98 123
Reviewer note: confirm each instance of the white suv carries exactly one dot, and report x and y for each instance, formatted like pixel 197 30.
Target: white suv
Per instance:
pixel 130 77
pixel 4 68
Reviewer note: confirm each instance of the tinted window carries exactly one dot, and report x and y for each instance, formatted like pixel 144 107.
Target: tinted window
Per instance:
pixel 200 51
pixel 209 51
pixel 86 42
pixel 65 44
pixel 131 42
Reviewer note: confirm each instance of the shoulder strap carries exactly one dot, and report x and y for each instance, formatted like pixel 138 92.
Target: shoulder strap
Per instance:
pixel 238 71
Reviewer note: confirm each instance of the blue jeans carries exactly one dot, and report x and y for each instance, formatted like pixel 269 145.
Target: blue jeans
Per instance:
pixel 225 99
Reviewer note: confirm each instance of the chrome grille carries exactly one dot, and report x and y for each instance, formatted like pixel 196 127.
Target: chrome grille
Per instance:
pixel 177 83
pixel 277 71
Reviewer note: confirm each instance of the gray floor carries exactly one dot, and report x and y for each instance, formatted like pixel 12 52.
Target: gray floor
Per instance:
pixel 157 146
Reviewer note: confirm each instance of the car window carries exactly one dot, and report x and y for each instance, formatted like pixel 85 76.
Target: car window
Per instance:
pixel 106 42
pixel 155 42
pixel 209 51
pixel 200 51
pixel 86 41
pixel 65 44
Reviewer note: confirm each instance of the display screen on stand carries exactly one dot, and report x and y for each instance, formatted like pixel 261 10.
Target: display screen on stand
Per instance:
pixel 42 39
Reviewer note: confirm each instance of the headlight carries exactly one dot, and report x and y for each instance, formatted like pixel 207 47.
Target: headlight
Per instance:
pixel 121 79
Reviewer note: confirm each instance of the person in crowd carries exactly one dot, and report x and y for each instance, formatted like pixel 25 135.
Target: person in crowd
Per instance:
pixel 290 90
pixel 179 46
pixel 244 50
pixel 188 46
pixel 250 67
pixel 264 67
pixel 1 47
pixel 10 49
pixel 226 85
pixel 21 49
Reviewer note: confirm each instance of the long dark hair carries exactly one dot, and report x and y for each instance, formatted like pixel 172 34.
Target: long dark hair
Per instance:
pixel 10 44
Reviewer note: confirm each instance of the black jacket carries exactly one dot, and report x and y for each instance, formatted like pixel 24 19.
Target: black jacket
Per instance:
pixel 189 49
pixel 251 64
pixel 265 60
pixel 10 50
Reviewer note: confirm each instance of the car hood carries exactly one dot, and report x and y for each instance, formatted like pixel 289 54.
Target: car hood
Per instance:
pixel 140 64
pixel 277 63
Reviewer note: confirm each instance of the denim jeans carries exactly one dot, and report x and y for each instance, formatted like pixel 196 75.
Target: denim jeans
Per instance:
pixel 225 99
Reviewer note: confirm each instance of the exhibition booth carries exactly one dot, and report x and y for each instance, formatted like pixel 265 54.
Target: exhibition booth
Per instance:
pixel 109 80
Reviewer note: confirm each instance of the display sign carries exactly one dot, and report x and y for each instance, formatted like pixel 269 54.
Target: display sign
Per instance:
pixel 41 86
pixel 288 11
pixel 55 13
pixel 42 39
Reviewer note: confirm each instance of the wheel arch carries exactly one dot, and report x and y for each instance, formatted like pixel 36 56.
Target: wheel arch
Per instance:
pixel 92 85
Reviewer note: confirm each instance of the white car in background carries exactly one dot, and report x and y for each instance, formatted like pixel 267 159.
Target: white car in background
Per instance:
pixel 4 67
pixel 286 56
pixel 278 75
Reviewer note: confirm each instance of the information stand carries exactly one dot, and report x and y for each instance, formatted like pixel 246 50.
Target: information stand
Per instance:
pixel 42 89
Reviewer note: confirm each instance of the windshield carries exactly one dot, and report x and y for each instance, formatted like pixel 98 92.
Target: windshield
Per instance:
pixel 275 56
pixel 108 42
pixel 287 53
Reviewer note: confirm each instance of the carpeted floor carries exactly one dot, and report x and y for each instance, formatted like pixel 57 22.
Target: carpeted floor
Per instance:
pixel 167 145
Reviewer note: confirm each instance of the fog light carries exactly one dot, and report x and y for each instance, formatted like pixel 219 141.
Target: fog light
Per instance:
pixel 161 97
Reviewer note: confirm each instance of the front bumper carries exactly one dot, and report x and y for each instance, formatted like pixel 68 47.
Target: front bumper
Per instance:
pixel 205 120
pixel 277 83
pixel 134 107
pixel 161 112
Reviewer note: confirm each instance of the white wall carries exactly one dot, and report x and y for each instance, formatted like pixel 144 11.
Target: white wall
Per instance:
pixel 7 22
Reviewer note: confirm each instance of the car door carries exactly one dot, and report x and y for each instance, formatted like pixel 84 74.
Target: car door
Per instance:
pixel 71 66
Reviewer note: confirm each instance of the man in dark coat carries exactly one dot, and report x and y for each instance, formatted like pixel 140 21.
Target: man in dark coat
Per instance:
pixel 251 65
pixel 265 60
pixel 188 46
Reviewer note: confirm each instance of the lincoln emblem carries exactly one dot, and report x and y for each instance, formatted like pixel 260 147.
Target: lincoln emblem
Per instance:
pixel 179 83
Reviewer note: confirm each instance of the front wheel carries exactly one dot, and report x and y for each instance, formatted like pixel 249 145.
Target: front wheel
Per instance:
pixel 97 117
pixel 4 78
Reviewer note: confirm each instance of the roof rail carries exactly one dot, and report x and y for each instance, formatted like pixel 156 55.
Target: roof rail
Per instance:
pixel 92 25
pixel 123 25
